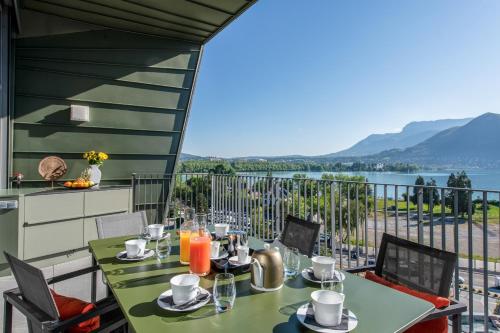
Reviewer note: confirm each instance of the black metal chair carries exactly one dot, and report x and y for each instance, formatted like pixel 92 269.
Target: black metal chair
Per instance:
pixel 300 234
pixel 421 268
pixel 124 224
pixel 34 299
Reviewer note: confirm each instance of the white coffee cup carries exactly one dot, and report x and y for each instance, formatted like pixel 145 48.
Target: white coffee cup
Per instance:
pixel 135 247
pixel 327 306
pixel 322 264
pixel 156 230
pixel 214 249
pixel 243 252
pixel 221 229
pixel 184 287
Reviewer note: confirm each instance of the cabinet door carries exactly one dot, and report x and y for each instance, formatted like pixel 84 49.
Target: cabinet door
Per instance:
pixel 107 202
pixel 44 239
pixel 53 207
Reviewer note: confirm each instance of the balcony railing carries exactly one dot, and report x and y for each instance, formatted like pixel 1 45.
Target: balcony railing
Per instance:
pixel 353 215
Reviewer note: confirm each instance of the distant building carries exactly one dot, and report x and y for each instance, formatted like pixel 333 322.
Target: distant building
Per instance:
pixel 379 166
pixel 214 158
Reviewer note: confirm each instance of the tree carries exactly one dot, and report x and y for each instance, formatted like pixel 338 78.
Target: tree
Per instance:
pixel 461 180
pixel 222 169
pixel 430 191
pixel 419 183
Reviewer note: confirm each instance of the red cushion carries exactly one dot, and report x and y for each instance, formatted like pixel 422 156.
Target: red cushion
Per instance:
pixel 69 307
pixel 380 280
pixel 439 325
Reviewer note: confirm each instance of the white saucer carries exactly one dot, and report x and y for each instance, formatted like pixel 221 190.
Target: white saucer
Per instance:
pixel 168 307
pixel 305 275
pixel 158 238
pixel 221 256
pixel 123 255
pixel 234 261
pixel 304 310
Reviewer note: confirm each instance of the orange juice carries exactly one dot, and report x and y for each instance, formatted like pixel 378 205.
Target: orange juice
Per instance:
pixel 184 244
pixel 199 255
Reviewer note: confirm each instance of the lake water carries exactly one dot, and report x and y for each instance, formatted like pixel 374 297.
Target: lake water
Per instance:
pixel 481 179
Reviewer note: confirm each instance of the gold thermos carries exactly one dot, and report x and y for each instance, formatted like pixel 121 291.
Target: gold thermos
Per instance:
pixel 267 272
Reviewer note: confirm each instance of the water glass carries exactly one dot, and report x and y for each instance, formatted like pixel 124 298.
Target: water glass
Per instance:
pixel 242 238
pixel 163 247
pixel 170 223
pixel 291 261
pixel 189 214
pixel 330 281
pixel 145 234
pixel 224 292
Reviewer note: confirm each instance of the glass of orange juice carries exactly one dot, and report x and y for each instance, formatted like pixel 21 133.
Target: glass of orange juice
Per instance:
pixel 188 230
pixel 199 260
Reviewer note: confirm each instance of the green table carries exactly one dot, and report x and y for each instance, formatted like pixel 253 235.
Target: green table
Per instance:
pixel 137 285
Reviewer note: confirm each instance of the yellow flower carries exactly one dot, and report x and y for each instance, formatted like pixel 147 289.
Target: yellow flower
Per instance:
pixel 103 156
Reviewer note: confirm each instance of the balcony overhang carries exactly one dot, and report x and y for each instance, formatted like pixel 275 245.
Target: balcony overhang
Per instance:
pixel 191 20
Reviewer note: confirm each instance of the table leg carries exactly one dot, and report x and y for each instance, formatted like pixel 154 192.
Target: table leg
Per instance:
pixel 7 317
pixel 93 288
pixel 456 323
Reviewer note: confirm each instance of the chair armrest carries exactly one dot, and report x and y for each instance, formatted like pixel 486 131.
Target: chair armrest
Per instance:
pixel 74 274
pixel 28 309
pixel 102 307
pixel 360 269
pixel 454 308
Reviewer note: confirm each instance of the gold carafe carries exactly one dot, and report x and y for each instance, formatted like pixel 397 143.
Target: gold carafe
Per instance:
pixel 267 269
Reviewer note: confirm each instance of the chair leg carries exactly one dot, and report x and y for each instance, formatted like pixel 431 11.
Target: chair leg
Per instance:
pixel 93 287
pixel 456 323
pixel 7 317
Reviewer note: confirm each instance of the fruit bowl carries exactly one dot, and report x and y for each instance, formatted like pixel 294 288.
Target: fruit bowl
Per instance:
pixel 79 184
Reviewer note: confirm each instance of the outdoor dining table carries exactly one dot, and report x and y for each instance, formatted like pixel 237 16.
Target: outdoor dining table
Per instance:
pixel 137 285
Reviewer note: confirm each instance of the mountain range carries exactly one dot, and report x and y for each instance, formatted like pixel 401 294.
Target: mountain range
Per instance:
pixel 412 134
pixel 464 143
pixel 475 144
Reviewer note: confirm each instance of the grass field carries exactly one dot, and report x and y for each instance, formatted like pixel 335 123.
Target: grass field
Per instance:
pixel 493 211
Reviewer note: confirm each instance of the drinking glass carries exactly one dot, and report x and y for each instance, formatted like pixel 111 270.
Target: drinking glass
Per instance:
pixel 170 223
pixel 163 247
pixel 189 214
pixel 224 292
pixel 201 220
pixel 291 261
pixel 330 281
pixel 242 237
pixel 145 234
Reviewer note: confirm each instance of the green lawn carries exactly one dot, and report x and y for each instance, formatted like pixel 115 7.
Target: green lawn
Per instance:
pixel 493 211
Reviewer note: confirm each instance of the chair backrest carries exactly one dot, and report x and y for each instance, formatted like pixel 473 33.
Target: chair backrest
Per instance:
pixel 121 224
pixel 300 234
pixel 417 266
pixel 33 287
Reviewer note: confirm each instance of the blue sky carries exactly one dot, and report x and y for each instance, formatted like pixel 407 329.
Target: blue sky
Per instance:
pixel 315 76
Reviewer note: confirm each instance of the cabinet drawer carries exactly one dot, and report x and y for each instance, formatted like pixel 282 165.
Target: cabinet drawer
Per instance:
pixel 106 202
pixel 89 230
pixel 45 239
pixel 53 207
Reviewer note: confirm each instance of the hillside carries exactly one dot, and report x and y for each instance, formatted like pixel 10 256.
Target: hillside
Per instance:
pixel 412 134
pixel 190 157
pixel 475 144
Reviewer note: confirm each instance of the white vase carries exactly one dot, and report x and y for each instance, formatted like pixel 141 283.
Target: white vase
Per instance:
pixel 95 174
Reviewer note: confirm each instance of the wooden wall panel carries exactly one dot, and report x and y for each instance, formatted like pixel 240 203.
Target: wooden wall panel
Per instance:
pixel 137 89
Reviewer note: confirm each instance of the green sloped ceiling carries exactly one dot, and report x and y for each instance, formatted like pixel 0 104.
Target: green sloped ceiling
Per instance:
pixel 137 87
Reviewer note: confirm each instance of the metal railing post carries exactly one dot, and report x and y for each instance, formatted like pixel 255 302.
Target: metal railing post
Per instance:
pixel 420 214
